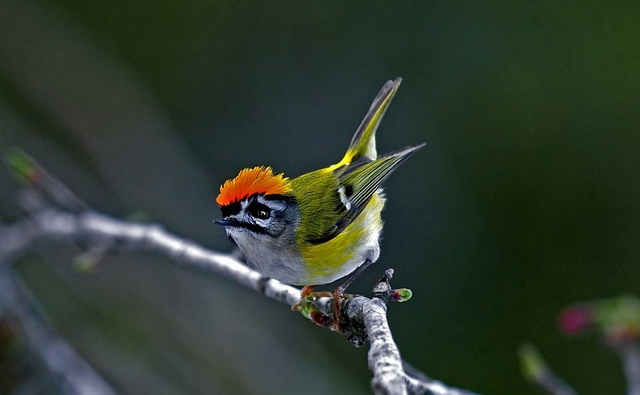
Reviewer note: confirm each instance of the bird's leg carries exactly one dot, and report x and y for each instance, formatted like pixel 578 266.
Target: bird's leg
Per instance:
pixel 349 279
pixel 308 290
pixel 338 294
pixel 305 292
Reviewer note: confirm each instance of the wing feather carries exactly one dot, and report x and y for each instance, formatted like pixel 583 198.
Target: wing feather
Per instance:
pixel 358 183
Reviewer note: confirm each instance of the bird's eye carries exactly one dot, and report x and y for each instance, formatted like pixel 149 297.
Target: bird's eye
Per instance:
pixel 260 211
pixel 262 214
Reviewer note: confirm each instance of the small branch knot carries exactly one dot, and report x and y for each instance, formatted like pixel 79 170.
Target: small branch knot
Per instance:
pixel 382 289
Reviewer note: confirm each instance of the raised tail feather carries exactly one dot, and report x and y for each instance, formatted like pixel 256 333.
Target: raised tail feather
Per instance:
pixel 363 143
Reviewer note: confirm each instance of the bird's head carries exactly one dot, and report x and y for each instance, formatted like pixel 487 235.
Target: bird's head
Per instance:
pixel 257 205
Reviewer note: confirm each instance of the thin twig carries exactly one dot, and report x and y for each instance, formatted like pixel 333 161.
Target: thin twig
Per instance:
pixel 554 385
pixel 630 355
pixel 420 383
pixel 536 370
pixel 75 375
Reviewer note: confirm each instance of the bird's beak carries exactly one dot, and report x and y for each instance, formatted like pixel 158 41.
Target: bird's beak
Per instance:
pixel 226 222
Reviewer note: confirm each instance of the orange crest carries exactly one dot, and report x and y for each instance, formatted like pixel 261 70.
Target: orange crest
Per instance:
pixel 259 180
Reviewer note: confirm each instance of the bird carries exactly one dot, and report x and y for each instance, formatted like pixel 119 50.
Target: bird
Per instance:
pixel 320 226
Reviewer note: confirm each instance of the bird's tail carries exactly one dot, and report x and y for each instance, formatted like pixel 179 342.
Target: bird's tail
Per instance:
pixel 363 142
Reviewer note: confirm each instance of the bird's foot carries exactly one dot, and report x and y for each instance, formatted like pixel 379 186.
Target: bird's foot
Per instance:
pixel 339 321
pixel 336 321
pixel 306 292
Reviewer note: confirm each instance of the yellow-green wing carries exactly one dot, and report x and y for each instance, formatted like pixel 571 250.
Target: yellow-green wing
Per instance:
pixel 361 181
pixel 326 215
pixel 318 203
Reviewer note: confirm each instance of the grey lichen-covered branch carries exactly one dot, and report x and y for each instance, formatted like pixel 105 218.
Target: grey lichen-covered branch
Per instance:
pixel 54 213
pixel 631 363
pixel 75 375
pixel 536 370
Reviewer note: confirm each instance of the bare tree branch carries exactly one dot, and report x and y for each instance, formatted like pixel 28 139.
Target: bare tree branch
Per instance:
pixel 76 376
pixel 536 370
pixel 66 218
pixel 420 383
pixel 631 363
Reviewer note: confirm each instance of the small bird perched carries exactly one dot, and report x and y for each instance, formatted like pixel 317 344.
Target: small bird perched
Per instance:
pixel 320 226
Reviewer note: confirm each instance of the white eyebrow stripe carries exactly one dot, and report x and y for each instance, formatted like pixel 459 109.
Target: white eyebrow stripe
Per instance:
pixel 272 204
pixel 343 198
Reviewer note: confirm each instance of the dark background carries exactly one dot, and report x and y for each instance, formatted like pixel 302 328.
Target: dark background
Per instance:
pixel 525 199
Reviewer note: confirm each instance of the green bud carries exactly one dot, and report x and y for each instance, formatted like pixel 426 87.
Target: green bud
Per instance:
pixel 401 295
pixel 307 307
pixel 21 165
pixel 531 362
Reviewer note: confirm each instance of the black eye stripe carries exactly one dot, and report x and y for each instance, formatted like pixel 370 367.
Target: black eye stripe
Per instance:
pixel 231 209
pixel 236 207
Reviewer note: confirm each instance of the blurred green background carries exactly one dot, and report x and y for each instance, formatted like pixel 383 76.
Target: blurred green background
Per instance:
pixel 526 198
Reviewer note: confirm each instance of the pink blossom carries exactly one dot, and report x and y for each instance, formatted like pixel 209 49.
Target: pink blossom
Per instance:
pixel 575 319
